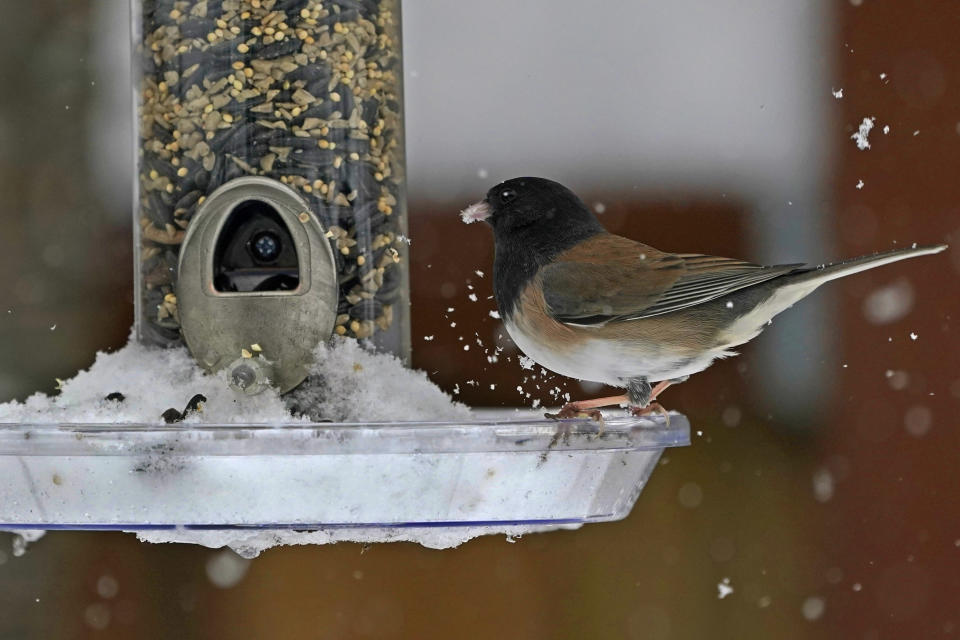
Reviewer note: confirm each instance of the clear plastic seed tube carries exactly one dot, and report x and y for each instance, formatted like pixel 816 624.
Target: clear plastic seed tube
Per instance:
pixel 305 92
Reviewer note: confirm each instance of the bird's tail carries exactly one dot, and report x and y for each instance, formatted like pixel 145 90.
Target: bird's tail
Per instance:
pixel 784 291
pixel 824 273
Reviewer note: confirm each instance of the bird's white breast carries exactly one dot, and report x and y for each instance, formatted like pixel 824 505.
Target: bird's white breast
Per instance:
pixel 607 361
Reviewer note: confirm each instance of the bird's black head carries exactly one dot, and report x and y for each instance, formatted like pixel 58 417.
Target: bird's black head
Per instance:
pixel 533 207
pixel 534 220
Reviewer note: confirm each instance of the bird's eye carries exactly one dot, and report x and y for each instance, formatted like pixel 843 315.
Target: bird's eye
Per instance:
pixel 508 195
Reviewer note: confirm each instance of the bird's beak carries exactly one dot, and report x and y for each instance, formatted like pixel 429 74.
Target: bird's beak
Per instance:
pixel 476 212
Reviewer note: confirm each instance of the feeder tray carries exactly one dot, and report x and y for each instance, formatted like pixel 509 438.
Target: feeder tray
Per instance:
pixel 504 469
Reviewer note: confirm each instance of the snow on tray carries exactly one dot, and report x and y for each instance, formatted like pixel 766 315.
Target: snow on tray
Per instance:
pixel 347 384
pixel 250 544
pixel 351 384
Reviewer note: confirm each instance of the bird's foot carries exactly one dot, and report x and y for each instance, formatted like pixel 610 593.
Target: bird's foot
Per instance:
pixel 653 407
pixel 575 410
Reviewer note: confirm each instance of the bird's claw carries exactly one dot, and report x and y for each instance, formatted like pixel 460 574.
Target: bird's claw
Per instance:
pixel 653 407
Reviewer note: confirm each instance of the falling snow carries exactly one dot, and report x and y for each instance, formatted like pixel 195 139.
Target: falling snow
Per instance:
pixel 822 485
pixel 724 589
pixel 889 303
pixel 861 136
pixel 918 421
pixel 813 608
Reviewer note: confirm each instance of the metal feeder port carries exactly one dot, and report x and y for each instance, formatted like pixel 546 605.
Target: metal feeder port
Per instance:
pixel 257 285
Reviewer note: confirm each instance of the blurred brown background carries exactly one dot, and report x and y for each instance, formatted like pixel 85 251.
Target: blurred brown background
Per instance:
pixel 824 485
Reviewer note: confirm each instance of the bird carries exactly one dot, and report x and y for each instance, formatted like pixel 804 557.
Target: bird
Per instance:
pixel 588 304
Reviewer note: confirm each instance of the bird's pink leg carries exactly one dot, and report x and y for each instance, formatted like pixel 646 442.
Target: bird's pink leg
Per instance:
pixel 587 408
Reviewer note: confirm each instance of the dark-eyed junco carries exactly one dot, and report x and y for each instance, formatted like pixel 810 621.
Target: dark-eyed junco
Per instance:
pixel 595 306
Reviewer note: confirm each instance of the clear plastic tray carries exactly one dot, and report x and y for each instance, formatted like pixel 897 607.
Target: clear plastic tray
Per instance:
pixel 504 469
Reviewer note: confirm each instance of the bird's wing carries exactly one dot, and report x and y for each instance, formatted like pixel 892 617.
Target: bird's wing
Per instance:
pixel 607 276
pixel 708 278
pixel 612 279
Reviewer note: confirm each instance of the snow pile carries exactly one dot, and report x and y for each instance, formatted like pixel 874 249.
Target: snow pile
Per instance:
pixel 348 384
pixel 351 384
pixel 151 380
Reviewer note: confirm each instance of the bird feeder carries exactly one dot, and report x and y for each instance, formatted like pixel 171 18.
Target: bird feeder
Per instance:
pixel 270 215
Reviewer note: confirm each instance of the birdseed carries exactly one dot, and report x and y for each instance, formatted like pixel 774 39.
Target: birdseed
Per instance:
pixel 307 92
